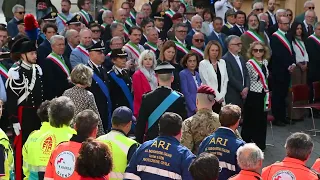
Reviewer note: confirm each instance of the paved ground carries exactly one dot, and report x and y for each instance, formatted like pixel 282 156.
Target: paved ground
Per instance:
pixel 277 153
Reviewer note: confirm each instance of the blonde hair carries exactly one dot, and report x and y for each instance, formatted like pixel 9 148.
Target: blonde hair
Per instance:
pixel 207 49
pixel 82 75
pixel 143 55
pixel 266 54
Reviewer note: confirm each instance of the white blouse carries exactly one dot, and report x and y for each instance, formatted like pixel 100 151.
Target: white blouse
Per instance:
pixel 300 50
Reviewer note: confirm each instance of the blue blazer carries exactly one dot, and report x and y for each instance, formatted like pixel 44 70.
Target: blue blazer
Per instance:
pixel 12 28
pixel 189 89
pixel 214 37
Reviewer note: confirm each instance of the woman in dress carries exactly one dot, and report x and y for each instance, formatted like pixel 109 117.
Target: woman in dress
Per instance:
pixel 299 74
pixel 213 72
pixel 254 127
pixel 190 81
pixel 94 161
pixel 81 77
pixel 168 53
pixel 144 79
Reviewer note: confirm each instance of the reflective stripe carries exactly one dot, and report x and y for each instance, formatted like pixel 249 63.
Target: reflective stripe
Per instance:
pixel 229 166
pixel 32 168
pixel 158 171
pixel 116 175
pixel 131 176
pixel 112 137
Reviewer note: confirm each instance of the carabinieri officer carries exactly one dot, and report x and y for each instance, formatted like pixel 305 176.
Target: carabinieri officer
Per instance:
pixel 163 157
pixel 155 103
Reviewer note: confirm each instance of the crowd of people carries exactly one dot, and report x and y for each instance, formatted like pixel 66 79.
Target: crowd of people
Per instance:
pixel 155 93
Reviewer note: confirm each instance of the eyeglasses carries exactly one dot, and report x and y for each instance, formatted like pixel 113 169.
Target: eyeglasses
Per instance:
pixel 182 31
pixel 96 31
pixel 285 23
pixel 289 15
pixel 310 7
pixel 259 9
pixel 177 1
pixel 23 12
pixel 238 44
pixel 258 50
pixel 199 40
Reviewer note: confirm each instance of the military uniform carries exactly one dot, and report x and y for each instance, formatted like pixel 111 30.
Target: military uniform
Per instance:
pixel 197 127
pixel 224 144
pixel 161 158
pixel 24 94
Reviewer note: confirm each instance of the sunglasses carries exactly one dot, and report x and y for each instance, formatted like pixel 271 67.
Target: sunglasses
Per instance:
pixel 258 50
pixel 182 31
pixel 310 7
pixel 289 15
pixel 259 9
pixel 199 40
pixel 23 12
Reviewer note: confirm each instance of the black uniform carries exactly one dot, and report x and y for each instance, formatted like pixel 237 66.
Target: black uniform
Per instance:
pixel 150 102
pixel 313 49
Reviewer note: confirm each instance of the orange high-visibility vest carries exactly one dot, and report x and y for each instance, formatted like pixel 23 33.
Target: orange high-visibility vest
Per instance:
pixel 246 175
pixel 316 165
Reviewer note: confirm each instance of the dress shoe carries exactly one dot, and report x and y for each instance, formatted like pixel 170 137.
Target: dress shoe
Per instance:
pixel 278 123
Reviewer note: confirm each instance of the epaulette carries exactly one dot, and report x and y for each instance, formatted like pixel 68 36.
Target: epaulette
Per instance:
pixel 39 69
pixel 13 73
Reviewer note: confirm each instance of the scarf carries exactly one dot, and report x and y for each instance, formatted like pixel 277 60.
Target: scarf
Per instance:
pixel 151 77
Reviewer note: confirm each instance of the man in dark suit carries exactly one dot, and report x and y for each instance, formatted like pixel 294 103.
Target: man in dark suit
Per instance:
pixel 313 48
pixel 18 15
pixel 72 41
pixel 217 35
pixel 198 44
pixel 308 5
pixel 153 42
pixel 84 6
pixel 146 23
pixel 196 25
pixel 239 28
pixel 55 71
pixel 180 32
pixel 283 64
pixel 44 49
pixel 239 82
pixel 153 99
pixel 309 22
pixel 99 86
pixel 270 12
pixel 107 5
pixel 229 20
pixel 174 6
pixel 274 28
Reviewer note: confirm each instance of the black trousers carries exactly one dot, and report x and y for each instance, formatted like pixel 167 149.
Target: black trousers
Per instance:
pixel 254 127
pixel 278 99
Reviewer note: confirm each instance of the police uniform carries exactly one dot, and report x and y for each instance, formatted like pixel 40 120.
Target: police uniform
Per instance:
pixel 61 164
pixel 39 146
pixel 224 144
pixel 161 158
pixel 246 175
pixel 122 147
pixel 50 17
pixel 24 96
pixel 162 33
pixel 120 83
pixel 152 100
pixel 100 89
pixel 289 168
pixel 74 20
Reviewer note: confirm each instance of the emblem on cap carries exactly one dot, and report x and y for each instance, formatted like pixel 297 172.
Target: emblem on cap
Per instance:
pixel 162 13
pixel 53 14
pixel 96 22
pixel 78 17
pixel 102 44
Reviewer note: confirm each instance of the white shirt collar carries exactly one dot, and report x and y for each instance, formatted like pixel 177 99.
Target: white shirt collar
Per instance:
pixel 270 13
pixel 158 29
pixel 217 34
pixel 70 46
pixel 94 64
pixel 118 69
pixel 235 10
pixel 235 56
pixel 239 26
pixel 229 24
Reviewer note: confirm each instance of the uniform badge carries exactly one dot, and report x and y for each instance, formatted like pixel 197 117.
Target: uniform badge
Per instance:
pixel 284 175
pixel 78 17
pixel 162 13
pixel 48 144
pixel 53 14
pixel 65 164
pixel 102 44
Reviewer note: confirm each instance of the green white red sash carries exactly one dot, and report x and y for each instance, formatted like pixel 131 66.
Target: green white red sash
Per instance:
pixel 103 9
pixel 254 35
pixel 170 13
pixel 314 37
pixel 181 47
pixel 197 51
pixel 129 22
pixel 84 16
pixel 264 81
pixel 283 40
pixel 3 71
pixel 132 15
pixel 83 50
pixel 104 25
pixel 133 48
pixel 125 31
pixel 60 62
pixel 300 46
pixel 152 46
pixel 63 18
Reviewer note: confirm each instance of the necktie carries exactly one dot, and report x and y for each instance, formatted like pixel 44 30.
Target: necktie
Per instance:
pixel 242 29
pixel 310 30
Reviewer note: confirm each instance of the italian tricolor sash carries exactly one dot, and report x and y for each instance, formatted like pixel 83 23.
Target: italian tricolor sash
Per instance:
pixel 60 62
pixel 63 18
pixel 170 13
pixel 300 46
pixel 197 51
pixel 125 30
pixel 152 46
pixel 103 9
pixel 264 81
pixel 133 48
pixel 83 50
pixel 181 47
pixel 129 22
pixel 3 71
pixel 132 15
pixel 254 35
pixel 84 16
pixel 104 25
pixel 283 40
pixel 314 37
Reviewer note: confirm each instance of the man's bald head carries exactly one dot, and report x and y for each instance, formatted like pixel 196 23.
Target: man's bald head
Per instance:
pixel 121 15
pixel 198 40
pixel 284 23
pixel 86 37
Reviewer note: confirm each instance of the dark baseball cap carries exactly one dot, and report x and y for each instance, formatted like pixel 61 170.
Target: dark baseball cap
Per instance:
pixel 123 114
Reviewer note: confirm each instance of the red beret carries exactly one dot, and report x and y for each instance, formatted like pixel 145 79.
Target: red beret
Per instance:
pixel 204 89
pixel 176 16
